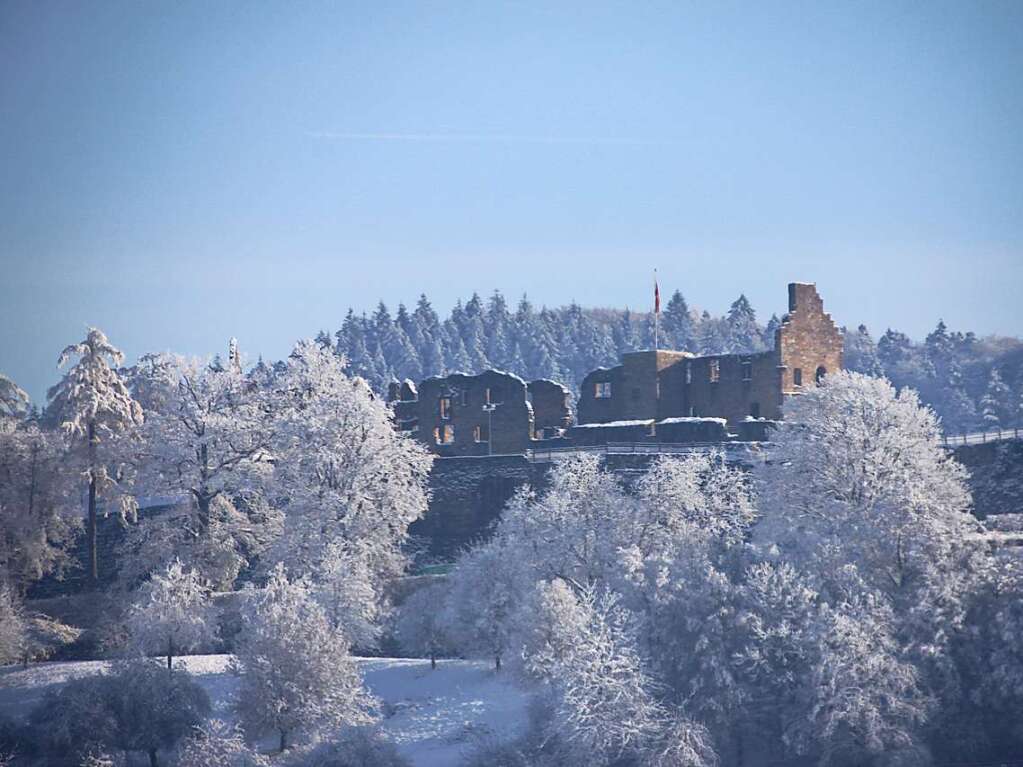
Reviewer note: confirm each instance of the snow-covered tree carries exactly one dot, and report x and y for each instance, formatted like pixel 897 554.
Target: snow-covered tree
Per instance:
pixel 605 707
pixel 996 404
pixel 422 626
pixel 14 402
pixel 13 627
pixel 93 406
pixel 860 354
pixel 677 323
pixel 135 707
pixel 294 669
pixel 38 519
pixel 574 529
pixel 486 593
pixel 743 334
pixel 859 476
pixel 349 592
pixel 172 613
pixel 861 498
pixel 215 743
pixel 353 484
pixel 209 437
pixel 354 747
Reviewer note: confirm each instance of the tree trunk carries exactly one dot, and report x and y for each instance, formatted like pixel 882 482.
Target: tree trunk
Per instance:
pixel 170 654
pixel 284 740
pixel 93 554
pixel 497 662
pixel 433 661
pixel 152 758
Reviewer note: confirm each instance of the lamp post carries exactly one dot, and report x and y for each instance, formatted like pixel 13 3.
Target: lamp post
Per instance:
pixel 489 409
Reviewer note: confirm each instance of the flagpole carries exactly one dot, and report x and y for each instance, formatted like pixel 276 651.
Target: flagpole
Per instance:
pixel 657 310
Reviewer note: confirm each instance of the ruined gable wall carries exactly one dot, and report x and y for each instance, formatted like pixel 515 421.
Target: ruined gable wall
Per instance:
pixel 807 339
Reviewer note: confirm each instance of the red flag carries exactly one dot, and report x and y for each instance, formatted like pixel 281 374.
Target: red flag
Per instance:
pixel 657 298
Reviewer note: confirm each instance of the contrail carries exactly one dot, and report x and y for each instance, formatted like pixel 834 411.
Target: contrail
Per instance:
pixel 480 138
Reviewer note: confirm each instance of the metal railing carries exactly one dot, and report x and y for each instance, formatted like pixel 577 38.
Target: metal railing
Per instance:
pixel 980 437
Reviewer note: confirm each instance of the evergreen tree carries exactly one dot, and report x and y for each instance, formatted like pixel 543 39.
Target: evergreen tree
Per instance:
pixel 93 406
pixel 945 388
pixel 742 334
pixel 626 339
pixel 861 355
pixel 996 405
pixel 771 331
pixel 676 323
pixel 712 337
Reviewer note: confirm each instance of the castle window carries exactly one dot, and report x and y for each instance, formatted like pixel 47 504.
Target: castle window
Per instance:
pixel 480 434
pixel 464 397
pixel 689 373
pixel 797 377
pixel 747 371
pixel 754 410
pixel 602 390
pixel 447 434
pixel 445 407
pixel 819 375
pixel 715 371
pixel 493 396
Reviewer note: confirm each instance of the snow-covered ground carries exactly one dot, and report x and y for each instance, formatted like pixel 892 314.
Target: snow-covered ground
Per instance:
pixel 433 716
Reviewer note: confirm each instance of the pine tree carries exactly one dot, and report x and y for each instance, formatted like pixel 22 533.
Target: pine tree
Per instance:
pixel 770 331
pixel 711 335
pixel 625 336
pixel 996 407
pixel 93 406
pixel 14 402
pixel 743 335
pixel 676 323
pixel 861 355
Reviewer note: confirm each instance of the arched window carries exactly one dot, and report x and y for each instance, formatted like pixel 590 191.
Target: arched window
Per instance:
pixel 819 375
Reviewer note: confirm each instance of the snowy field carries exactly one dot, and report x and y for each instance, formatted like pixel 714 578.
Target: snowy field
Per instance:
pixel 433 716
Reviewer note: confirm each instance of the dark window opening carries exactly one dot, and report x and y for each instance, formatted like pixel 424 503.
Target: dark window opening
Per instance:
pixel 819 375
pixel 480 434
pixel 464 397
pixel 797 377
pixel 747 371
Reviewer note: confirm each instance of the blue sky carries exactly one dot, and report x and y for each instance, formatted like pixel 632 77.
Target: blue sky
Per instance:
pixel 181 172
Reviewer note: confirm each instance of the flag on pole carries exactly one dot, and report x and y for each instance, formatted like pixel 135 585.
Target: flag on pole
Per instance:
pixel 657 310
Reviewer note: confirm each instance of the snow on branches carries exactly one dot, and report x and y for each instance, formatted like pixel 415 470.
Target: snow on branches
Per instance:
pixel 295 670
